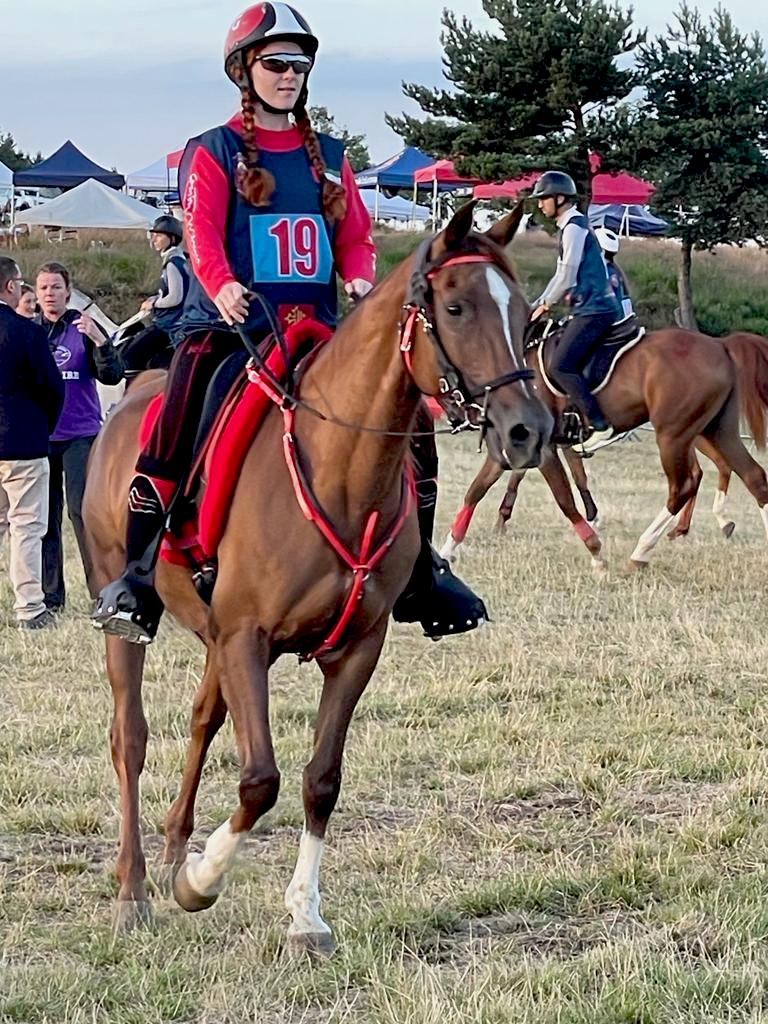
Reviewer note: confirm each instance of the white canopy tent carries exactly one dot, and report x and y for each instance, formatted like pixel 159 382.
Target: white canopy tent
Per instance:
pixel 6 182
pixel 157 177
pixel 91 205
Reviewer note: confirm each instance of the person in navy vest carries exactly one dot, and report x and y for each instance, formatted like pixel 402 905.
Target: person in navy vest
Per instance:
pixel 152 347
pixel 610 243
pixel 581 278
pixel 84 355
pixel 268 204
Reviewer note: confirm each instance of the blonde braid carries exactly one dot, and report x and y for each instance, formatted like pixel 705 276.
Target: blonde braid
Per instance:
pixel 334 195
pixel 255 184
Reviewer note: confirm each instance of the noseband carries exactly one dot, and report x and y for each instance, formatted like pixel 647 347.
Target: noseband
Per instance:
pixel 418 310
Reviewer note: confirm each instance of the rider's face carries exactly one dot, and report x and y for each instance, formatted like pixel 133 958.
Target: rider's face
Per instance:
pixel 548 206
pixel 278 90
pixel 161 241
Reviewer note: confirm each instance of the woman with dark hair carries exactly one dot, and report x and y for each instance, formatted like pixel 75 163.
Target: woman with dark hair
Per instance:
pixel 269 205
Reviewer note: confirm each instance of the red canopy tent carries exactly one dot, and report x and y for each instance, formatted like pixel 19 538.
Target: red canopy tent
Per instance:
pixel 622 189
pixel 444 173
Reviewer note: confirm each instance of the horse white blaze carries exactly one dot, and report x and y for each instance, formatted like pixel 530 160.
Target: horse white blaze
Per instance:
pixel 302 897
pixel 501 295
pixel 206 871
pixel 652 535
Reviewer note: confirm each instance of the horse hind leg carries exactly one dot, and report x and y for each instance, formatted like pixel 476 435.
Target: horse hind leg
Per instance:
pixel 345 677
pixel 489 473
pixel 724 437
pixel 578 469
pixel 683 474
pixel 243 659
pixel 724 521
pixel 208 715
pixel 128 740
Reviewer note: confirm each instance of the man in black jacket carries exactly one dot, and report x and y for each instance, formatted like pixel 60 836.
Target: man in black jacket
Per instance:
pixel 31 397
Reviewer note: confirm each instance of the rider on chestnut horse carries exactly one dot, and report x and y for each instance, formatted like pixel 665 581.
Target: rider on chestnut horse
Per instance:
pixel 582 280
pixel 272 202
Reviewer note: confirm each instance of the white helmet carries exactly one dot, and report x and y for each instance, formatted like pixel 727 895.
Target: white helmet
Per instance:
pixel 609 240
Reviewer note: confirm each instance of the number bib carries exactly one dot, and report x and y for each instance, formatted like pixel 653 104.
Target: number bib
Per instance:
pixel 290 248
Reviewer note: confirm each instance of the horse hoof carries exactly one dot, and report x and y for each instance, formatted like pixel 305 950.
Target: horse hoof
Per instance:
pixel 128 915
pixel 728 530
pixel 599 568
pixel 637 566
pixel 316 944
pixel 501 524
pixel 189 899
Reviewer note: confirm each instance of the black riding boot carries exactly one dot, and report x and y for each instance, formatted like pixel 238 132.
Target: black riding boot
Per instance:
pixel 129 607
pixel 434 596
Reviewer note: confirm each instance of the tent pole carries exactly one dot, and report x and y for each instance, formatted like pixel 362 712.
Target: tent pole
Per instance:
pixel 376 203
pixel 13 211
pixel 434 203
pixel 413 207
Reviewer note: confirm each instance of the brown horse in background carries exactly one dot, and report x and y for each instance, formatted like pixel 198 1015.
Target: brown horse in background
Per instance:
pixel 692 388
pixel 281 587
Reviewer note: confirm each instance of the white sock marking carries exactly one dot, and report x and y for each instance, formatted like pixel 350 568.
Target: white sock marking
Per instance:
pixel 764 514
pixel 206 871
pixel 718 509
pixel 450 547
pixel 652 535
pixel 302 897
pixel 501 295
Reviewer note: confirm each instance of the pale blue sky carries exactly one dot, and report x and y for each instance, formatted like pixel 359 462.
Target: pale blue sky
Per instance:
pixel 128 82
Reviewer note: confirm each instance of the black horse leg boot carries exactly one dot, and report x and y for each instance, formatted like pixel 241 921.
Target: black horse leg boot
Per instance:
pixel 435 596
pixel 129 607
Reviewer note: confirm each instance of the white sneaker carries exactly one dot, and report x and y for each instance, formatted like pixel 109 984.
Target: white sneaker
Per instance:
pixel 599 439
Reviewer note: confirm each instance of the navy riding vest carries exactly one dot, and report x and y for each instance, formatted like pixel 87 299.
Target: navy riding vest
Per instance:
pixel 619 285
pixel 283 250
pixel 166 318
pixel 593 292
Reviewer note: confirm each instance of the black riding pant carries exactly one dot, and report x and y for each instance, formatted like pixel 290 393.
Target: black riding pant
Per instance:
pixel 68 460
pixel 581 337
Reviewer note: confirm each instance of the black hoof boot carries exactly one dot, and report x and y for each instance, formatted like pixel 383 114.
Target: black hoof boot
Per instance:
pixel 439 600
pixel 128 608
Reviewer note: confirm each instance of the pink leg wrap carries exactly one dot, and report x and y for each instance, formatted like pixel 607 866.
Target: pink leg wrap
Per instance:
pixel 583 530
pixel 461 522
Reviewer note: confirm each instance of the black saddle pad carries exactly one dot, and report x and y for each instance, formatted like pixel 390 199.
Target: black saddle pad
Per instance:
pixel 598 371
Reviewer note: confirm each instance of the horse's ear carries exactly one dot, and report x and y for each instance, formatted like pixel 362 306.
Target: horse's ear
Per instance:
pixel 457 228
pixel 504 230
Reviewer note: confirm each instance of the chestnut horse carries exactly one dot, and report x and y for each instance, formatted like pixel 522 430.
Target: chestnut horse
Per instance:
pixel 281 586
pixel 692 388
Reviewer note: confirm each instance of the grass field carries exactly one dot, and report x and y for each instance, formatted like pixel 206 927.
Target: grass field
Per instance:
pixel 560 819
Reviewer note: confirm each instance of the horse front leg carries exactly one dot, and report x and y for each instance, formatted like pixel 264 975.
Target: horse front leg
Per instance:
pixel 243 659
pixel 489 473
pixel 578 468
pixel 507 505
pixel 346 674
pixel 208 715
pixel 553 472
pixel 128 741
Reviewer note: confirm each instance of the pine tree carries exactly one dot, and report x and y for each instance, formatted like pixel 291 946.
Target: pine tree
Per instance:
pixel 12 156
pixel 700 133
pixel 539 92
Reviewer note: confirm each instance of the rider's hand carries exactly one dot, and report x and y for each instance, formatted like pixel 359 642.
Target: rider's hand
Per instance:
pixel 357 288
pixel 232 303
pixel 147 304
pixel 539 312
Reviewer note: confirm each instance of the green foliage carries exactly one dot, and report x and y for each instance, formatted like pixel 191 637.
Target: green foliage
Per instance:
pixel 700 132
pixel 542 91
pixel 356 148
pixel 12 156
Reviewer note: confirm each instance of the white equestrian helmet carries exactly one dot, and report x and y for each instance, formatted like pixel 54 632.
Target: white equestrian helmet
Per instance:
pixel 609 240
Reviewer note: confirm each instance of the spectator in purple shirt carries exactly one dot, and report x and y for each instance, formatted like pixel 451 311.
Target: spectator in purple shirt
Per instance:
pixel 84 355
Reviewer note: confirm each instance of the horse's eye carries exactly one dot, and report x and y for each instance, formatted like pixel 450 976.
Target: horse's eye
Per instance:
pixel 454 309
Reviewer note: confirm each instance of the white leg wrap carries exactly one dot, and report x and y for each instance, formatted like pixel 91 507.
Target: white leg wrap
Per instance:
pixel 764 515
pixel 302 897
pixel 206 871
pixel 718 509
pixel 449 548
pixel 652 535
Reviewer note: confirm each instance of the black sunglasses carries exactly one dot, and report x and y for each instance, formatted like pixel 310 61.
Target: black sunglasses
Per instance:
pixel 278 63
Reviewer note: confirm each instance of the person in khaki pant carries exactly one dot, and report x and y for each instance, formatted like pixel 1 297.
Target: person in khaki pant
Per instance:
pixel 31 397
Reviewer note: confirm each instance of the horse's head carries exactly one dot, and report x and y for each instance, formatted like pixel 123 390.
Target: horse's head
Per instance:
pixel 476 314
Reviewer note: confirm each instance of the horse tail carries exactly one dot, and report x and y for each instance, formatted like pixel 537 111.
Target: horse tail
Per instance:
pixel 750 354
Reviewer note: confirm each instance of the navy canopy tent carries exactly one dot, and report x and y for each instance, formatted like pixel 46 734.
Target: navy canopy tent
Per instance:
pixel 66 168
pixel 397 172
pixel 627 220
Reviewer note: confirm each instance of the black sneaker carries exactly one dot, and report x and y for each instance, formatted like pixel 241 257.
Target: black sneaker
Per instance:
pixel 45 620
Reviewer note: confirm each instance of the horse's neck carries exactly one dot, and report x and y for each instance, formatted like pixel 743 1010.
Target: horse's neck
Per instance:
pixel 361 378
